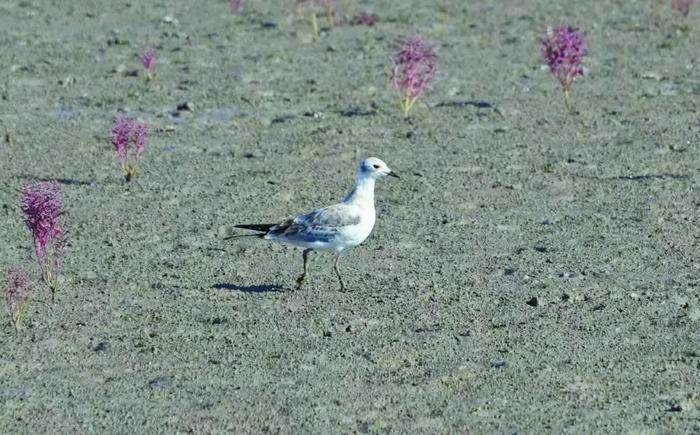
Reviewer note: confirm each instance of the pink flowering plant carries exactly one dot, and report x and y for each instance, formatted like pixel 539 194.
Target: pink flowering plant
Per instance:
pixel 129 134
pixel 149 61
pixel 42 206
pixel 415 65
pixel 236 6
pixel 681 7
pixel 313 6
pixel 364 19
pixel 16 294
pixel 563 49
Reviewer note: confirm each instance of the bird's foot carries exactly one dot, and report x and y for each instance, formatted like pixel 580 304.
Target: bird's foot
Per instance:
pixel 300 281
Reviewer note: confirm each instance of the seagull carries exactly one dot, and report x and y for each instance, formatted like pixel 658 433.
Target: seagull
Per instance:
pixel 336 227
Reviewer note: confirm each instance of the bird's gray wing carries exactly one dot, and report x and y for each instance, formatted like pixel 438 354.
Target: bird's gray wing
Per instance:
pixel 319 225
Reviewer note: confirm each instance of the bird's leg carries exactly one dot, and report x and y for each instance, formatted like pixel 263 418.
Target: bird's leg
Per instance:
pixel 337 272
pixel 302 278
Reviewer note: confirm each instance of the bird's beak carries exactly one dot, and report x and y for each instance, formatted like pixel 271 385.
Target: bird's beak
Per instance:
pixel 393 174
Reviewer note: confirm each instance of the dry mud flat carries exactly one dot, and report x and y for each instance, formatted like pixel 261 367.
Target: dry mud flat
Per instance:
pixel 532 271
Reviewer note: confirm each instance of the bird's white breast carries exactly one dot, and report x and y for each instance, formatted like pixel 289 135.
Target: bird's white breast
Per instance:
pixel 353 235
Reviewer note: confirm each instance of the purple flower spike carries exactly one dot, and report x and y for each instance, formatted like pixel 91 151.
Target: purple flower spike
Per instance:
pixel 236 6
pixel 563 49
pixel 42 205
pixel 681 7
pixel 140 132
pixel 364 19
pixel 149 61
pixel 120 136
pixel 16 294
pixel 126 131
pixel 414 67
pixel 149 58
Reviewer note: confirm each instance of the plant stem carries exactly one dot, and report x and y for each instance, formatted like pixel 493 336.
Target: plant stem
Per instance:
pixel 130 172
pixel 407 104
pixel 566 100
pixel 314 25
pixel 126 170
pixel 17 319
pixel 330 13
pixel 51 283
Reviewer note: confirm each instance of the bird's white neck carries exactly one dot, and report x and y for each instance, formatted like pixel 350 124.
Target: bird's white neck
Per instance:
pixel 362 192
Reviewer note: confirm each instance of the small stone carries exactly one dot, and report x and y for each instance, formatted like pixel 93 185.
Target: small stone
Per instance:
pixel 675 408
pixel 102 346
pixel 465 333
pixel 89 275
pixel 66 81
pixel 160 382
pixel 185 107
pixel 533 302
pixel 650 75
pixel 170 20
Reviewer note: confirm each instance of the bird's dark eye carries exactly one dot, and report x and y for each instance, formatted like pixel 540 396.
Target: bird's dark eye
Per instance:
pixel 376 166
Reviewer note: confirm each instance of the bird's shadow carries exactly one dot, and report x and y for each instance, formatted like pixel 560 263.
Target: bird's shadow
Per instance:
pixel 260 288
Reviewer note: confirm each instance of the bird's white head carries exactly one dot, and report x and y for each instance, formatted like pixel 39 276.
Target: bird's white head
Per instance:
pixel 375 168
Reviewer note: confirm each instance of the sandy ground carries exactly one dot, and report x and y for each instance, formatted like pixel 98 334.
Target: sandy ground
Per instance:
pixel 532 271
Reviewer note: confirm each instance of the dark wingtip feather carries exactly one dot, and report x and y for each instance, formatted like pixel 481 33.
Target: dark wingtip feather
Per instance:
pixel 256 227
pixel 238 236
